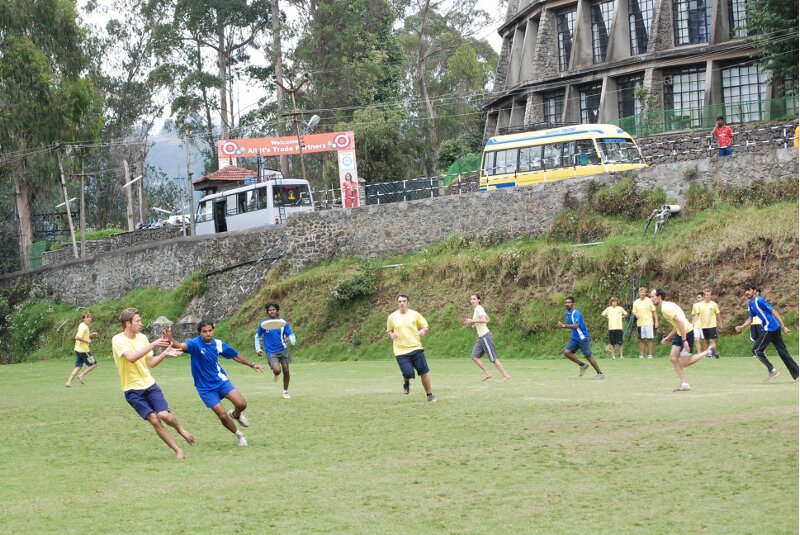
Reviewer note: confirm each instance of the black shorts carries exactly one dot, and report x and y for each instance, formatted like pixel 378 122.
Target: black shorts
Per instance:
pixel 710 333
pixel 615 337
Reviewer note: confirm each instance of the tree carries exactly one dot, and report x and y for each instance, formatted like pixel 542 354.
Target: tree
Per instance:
pixel 43 97
pixel 776 22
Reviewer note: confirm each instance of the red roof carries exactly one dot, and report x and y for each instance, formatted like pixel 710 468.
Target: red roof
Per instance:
pixel 226 177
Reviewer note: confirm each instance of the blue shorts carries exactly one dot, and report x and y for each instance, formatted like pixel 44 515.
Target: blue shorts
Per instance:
pixel 85 358
pixel 678 341
pixel 213 396
pixel 146 401
pixel 584 345
pixel 413 361
pixel 725 151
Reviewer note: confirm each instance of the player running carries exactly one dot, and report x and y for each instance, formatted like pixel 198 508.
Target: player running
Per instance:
pixel 210 379
pixel 274 339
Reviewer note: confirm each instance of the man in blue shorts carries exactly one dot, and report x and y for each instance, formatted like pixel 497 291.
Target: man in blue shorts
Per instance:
pixel 579 339
pixel 772 324
pixel 133 356
pixel 405 326
pixel 210 379
pixel 275 345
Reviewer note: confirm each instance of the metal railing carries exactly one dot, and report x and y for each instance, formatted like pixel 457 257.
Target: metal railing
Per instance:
pixel 665 121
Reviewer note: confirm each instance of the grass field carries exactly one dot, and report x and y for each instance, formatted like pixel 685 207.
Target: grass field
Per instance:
pixel 546 452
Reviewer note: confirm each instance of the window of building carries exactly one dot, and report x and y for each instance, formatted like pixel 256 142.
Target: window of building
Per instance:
pixel 692 19
pixel 640 16
pixel 626 95
pixel 737 15
pixel 602 10
pixel 744 86
pixel 565 27
pixel 553 104
pixel 590 102
pixel 684 93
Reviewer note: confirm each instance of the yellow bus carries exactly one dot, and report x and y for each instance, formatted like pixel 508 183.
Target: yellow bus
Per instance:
pixel 557 153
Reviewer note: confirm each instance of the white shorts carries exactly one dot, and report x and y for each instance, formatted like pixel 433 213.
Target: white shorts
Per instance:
pixel 646 332
pixel 698 333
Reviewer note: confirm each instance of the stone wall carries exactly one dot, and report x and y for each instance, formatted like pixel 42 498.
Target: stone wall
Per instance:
pixel 237 261
pixel 748 138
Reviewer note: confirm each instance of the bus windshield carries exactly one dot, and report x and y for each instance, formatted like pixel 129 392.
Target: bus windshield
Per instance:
pixel 204 212
pixel 619 150
pixel 290 195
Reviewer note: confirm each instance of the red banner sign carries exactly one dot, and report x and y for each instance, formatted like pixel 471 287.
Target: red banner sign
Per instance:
pixel 285 146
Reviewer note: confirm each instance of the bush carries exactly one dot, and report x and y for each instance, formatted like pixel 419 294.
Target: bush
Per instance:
pixel 348 290
pixel 578 227
pixel 698 198
pixel 622 198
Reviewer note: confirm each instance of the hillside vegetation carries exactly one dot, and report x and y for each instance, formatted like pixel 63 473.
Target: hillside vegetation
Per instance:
pixel 339 309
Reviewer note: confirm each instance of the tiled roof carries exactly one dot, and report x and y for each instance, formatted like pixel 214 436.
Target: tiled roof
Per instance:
pixel 231 173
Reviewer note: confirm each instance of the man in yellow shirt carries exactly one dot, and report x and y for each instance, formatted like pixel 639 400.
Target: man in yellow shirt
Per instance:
pixel 133 356
pixel 646 321
pixel 82 354
pixel 682 336
pixel 614 314
pixel 405 326
pixel 707 313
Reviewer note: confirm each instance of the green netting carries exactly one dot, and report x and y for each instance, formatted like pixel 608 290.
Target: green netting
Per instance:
pixel 35 254
pixel 659 122
pixel 466 165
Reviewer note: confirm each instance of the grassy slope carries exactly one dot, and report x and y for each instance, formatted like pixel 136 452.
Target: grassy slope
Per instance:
pixel 523 283
pixel 545 453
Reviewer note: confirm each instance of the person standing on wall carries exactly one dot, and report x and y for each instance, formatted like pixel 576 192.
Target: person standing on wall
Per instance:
pixel 724 136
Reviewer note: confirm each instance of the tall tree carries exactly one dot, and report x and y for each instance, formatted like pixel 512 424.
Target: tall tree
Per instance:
pixel 43 97
pixel 776 23
pixel 437 62
pixel 208 42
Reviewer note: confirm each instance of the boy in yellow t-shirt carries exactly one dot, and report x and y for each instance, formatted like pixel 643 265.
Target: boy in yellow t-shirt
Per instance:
pixel 646 321
pixel 405 326
pixel 82 354
pixel 614 314
pixel 707 313
pixel 133 355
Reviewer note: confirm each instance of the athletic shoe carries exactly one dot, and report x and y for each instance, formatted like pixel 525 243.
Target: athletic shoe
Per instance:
pixel 242 419
pixel 406 388
pixel 242 440
pixel 713 352
pixel 599 377
pixel 583 368
pixel 772 375
pixel 685 353
pixel 431 397
pixel 613 357
pixel 649 356
pixel 684 387
pixel 286 395
pixel 641 356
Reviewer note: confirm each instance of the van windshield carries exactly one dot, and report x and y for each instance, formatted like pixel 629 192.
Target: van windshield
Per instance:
pixel 619 150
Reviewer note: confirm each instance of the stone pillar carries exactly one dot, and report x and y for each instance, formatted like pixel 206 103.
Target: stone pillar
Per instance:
pixel 515 61
pixel 720 30
pixel 582 39
pixel 528 49
pixel 502 66
pixel 609 102
pixel 545 55
pixel 662 33
pixel 534 112
pixel 619 42
pixel 572 105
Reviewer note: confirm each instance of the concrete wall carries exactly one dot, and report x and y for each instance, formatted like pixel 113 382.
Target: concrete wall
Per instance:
pixel 236 262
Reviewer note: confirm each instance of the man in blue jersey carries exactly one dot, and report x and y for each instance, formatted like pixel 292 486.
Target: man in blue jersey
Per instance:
pixel 275 346
pixel 772 324
pixel 579 339
pixel 210 379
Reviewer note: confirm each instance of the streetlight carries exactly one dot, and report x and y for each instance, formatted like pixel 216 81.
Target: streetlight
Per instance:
pixel 292 89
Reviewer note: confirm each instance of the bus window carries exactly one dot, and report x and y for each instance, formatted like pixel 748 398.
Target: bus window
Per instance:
pixel 525 159
pixel 585 153
pixel 619 150
pixel 204 212
pixel 488 164
pixel 230 205
pixel 283 195
pixel 241 202
pixel 506 161
pixel 261 197
pixel 500 162
pixel 552 155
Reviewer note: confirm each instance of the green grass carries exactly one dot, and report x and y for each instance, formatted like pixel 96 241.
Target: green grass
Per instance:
pixel 545 453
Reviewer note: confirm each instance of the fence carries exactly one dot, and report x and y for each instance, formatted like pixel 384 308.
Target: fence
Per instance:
pixel 665 121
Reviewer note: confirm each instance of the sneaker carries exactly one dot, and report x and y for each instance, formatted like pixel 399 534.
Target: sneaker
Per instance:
pixel 650 356
pixel 431 397
pixel 642 356
pixel 713 352
pixel 685 353
pixel 406 388
pixel 684 387
pixel 242 419
pixel 599 377
pixel 772 375
pixel 613 357
pixel 286 395
pixel 242 440
pixel 583 369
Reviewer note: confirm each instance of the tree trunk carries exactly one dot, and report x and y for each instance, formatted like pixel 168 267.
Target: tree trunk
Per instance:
pixel 432 161
pixel 222 69
pixel 276 45
pixel 23 194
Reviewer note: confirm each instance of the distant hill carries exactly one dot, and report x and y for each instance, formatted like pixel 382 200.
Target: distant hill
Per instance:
pixel 168 154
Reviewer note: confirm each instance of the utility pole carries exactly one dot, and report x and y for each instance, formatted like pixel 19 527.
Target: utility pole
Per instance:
pixel 83 204
pixel 129 194
pixel 276 46
pixel 295 115
pixel 140 189
pixel 187 144
pixel 66 200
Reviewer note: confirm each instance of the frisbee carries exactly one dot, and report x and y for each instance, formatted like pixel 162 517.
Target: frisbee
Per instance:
pixel 272 324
